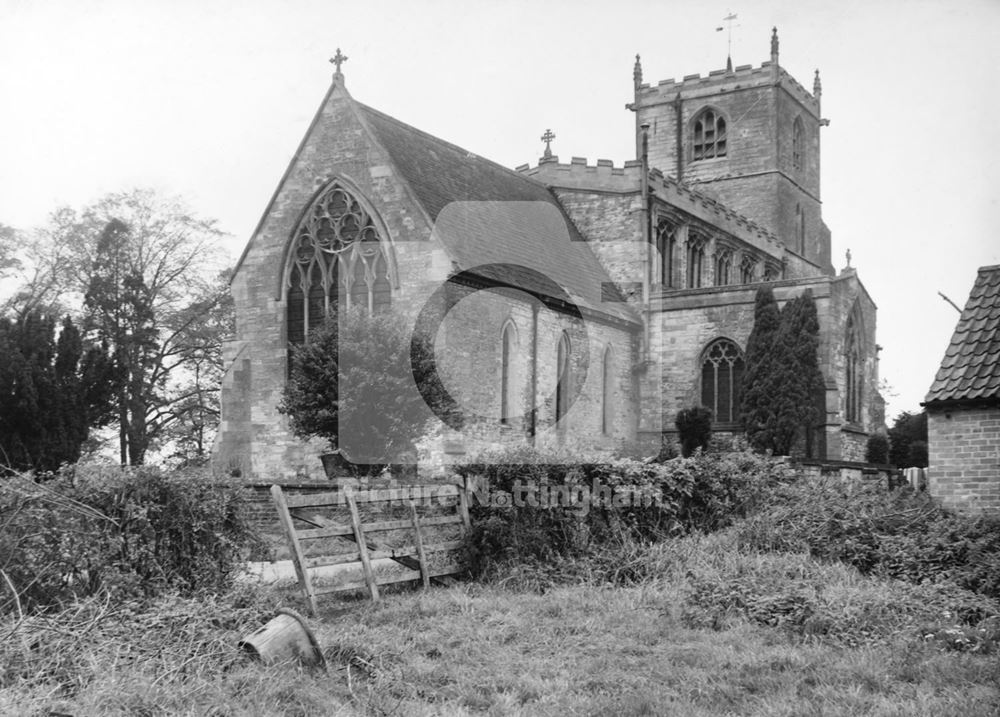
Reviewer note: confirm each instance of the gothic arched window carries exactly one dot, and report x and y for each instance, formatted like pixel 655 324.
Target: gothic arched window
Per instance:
pixel 562 379
pixel 338 259
pixel 607 378
pixel 748 269
pixel 508 346
pixel 723 266
pixel 695 260
pixel 853 369
pixel 666 244
pixel 798 144
pixel 722 380
pixel 709 138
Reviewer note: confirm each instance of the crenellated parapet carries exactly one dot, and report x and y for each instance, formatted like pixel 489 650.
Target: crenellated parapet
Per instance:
pixel 717 81
pixel 578 174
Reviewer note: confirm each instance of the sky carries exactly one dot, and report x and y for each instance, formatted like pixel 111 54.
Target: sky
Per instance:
pixel 208 100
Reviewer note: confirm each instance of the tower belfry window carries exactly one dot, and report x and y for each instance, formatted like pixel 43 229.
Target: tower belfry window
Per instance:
pixel 709 139
pixel 338 260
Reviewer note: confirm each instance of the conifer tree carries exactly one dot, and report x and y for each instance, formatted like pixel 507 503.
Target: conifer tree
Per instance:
pixel 51 393
pixel 759 384
pixel 797 376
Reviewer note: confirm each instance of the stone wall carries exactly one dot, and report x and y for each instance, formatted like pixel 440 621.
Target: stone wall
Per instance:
pixel 964 446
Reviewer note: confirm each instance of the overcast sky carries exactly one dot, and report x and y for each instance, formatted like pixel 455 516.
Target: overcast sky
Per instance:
pixel 209 100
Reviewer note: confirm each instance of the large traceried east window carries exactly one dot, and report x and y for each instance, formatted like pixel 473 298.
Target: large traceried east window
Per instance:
pixel 338 260
pixel 853 369
pixel 709 135
pixel 722 380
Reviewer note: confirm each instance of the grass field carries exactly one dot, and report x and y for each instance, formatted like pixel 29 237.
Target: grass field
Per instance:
pixel 700 629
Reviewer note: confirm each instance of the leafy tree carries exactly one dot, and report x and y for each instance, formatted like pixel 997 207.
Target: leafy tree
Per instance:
pixel 695 427
pixel 361 372
pixel 52 390
pixel 908 440
pixel 756 399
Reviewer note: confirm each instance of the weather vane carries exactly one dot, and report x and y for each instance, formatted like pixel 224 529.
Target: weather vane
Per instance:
pixel 728 19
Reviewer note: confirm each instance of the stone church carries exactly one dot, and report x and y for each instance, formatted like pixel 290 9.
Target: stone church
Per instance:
pixel 590 302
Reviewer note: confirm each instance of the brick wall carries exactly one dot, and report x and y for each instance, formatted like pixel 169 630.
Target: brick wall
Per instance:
pixel 964 446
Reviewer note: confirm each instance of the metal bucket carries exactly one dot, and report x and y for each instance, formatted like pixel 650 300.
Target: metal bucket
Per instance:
pixel 286 637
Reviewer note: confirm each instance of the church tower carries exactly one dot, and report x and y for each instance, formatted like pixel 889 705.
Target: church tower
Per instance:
pixel 749 137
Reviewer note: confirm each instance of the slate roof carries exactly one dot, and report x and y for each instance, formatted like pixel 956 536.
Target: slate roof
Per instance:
pixel 970 370
pixel 485 213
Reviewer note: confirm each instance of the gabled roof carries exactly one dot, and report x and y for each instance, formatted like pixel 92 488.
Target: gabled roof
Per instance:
pixel 485 213
pixel 970 370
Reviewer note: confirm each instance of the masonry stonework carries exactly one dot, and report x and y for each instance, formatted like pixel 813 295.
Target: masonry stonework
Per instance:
pixel 637 337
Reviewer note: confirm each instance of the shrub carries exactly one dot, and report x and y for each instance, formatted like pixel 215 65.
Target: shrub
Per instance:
pixel 695 427
pixel 898 534
pixel 133 532
pixel 877 448
pixel 705 492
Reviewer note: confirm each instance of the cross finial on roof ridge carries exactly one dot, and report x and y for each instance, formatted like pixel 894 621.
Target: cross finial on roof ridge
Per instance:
pixel 547 138
pixel 338 60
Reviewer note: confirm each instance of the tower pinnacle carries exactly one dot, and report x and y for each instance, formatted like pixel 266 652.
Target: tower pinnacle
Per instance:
pixel 637 73
pixel 774 45
pixel 817 86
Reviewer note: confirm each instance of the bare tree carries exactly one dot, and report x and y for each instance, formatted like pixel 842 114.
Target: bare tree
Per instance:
pixel 142 271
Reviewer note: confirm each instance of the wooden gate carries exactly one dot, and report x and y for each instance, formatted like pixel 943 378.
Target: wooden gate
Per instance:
pixel 359 533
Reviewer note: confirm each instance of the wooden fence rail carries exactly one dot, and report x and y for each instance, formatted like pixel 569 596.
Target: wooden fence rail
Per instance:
pixel 348 541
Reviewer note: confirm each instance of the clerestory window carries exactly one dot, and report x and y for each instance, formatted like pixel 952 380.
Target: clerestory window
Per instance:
pixel 695 261
pixel 709 135
pixel 666 244
pixel 723 267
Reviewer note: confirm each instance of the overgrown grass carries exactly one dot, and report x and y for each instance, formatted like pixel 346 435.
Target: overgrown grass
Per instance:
pixel 706 629
pixel 824 600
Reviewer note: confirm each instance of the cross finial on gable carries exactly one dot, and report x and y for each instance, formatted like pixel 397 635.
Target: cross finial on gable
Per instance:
pixel 338 60
pixel 547 138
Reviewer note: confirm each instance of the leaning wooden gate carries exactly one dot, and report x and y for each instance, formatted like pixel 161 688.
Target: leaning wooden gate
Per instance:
pixel 374 537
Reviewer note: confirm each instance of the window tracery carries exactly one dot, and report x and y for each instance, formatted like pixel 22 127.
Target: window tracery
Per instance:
pixel 338 259
pixel 722 379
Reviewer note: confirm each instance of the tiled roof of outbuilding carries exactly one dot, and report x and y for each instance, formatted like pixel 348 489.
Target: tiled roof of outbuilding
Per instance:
pixel 970 369
pixel 487 214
